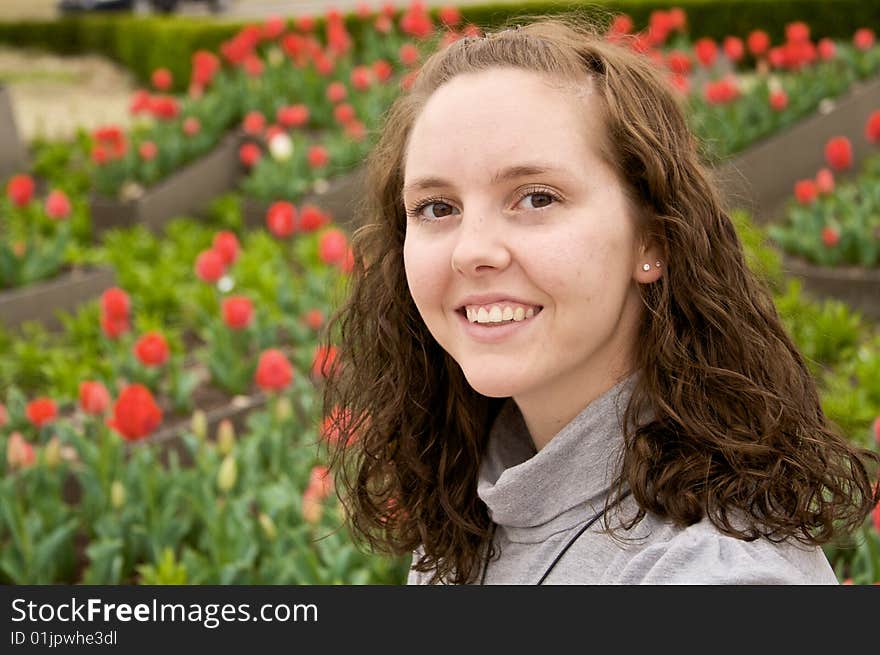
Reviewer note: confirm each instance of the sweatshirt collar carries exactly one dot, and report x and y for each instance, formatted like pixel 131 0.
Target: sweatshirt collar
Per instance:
pixel 533 495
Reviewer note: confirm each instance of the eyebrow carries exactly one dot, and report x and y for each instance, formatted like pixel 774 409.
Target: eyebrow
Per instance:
pixel 509 173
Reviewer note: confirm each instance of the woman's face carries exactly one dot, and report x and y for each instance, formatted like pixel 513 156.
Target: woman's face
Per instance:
pixel 516 203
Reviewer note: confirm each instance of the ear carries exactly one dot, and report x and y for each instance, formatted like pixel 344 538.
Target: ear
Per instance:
pixel 653 257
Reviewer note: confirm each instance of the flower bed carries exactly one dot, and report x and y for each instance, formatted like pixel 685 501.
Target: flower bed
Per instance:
pixel 187 191
pixel 831 231
pixel 761 178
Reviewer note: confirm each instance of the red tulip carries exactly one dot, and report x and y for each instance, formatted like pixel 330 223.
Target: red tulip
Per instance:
pixel 313 318
pixel 249 154
pixel 41 411
pixel 679 62
pixel 758 41
pixel 331 246
pixel 281 219
pixel 361 78
pixel 141 102
pixel 253 66
pixel 226 244
pixel 343 113
pixel 115 303
pixel 382 70
pixel 162 79
pixel 274 372
pixel 164 107
pixel 733 48
pixel 706 51
pixel 273 28
pixel 293 116
pixel 778 100
pixel 254 123
pixel 4 415
pixel 721 91
pixel 152 349
pixel 383 24
pixel 332 425
pixel 19 453
pixel 210 266
pixel 872 127
pixel 321 481
pixel 135 413
pixel 305 23
pixel 877 430
pixel 113 327
pixel 363 10
pixel 355 130
pixel 805 191
pixel 449 15
pixel 322 361
pixel 336 92
pixel 148 150
pixel 205 65
pixel 57 205
pixel 863 39
pixel 318 156
pixel 20 190
pixel 797 32
pixel 830 236
pixel 93 397
pixel 681 83
pixel 408 54
pixel 825 181
pixel 622 24
pixel 311 218
pixel 191 126
pixel 838 153
pixel 237 312
pixel 826 49
pixel 677 18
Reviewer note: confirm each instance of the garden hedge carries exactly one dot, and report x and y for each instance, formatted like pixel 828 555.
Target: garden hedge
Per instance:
pixel 143 44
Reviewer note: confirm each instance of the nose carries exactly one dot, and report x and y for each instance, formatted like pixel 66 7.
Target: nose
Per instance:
pixel 481 244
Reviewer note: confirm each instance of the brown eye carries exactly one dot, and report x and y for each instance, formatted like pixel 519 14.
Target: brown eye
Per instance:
pixel 540 199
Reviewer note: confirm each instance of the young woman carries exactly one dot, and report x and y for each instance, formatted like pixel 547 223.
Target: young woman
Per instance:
pixel 554 364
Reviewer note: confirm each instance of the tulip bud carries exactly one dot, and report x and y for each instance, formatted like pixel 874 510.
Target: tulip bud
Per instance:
pixel 283 409
pixel 117 494
pixel 268 526
pixel 312 509
pixel 225 437
pixel 199 424
pixel 227 474
pixel 52 452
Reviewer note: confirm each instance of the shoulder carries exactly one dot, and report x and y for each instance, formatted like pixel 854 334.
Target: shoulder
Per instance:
pixel 702 554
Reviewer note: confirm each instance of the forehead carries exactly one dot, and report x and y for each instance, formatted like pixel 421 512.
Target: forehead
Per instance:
pixel 476 120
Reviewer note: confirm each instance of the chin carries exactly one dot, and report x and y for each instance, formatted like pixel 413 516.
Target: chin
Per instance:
pixel 495 386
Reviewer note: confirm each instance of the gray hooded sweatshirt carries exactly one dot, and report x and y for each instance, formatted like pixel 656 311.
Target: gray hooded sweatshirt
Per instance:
pixel 539 501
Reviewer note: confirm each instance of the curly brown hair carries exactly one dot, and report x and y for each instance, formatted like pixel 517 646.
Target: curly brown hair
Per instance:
pixel 738 424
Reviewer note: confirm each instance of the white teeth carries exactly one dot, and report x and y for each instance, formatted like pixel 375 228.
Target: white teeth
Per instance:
pixel 496 314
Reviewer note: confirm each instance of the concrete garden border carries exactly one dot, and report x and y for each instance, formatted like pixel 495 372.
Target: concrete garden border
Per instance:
pixel 186 191
pixel 13 154
pixel 858 286
pixel 40 301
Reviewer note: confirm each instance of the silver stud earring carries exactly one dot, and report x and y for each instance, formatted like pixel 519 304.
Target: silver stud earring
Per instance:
pixel 657 264
pixel 646 267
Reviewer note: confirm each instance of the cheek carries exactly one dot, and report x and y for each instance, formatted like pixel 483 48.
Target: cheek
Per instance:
pixel 424 273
